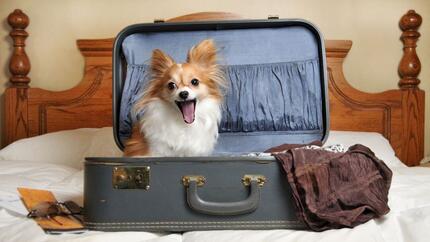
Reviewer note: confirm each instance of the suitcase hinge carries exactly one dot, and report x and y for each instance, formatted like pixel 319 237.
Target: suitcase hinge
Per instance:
pixel 159 20
pixel 273 17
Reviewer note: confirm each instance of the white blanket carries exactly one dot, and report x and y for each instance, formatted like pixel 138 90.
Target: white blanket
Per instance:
pixel 409 200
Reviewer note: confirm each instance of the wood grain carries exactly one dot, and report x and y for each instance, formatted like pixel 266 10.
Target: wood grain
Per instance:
pixel 206 16
pixel 19 65
pixel 396 114
pixel 410 65
pixel 16 114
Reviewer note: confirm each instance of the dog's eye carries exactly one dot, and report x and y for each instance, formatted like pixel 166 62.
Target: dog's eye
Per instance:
pixel 195 82
pixel 171 85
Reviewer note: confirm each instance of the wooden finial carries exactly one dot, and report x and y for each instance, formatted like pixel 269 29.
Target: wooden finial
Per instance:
pixel 19 65
pixel 410 65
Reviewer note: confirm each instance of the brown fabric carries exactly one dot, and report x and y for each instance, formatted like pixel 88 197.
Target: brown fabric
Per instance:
pixel 336 190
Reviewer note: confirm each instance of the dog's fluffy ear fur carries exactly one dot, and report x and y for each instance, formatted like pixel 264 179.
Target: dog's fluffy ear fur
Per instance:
pixel 203 54
pixel 160 63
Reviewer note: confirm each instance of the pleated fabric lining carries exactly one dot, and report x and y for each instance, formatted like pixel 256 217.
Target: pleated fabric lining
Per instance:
pixel 261 97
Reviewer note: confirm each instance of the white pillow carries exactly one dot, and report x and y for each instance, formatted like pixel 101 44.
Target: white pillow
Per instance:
pixel 64 147
pixel 375 141
pixel 103 144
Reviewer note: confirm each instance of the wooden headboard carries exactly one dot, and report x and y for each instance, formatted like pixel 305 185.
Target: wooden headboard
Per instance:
pixel 396 114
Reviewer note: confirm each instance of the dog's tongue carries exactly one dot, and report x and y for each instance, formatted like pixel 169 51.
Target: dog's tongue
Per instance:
pixel 187 109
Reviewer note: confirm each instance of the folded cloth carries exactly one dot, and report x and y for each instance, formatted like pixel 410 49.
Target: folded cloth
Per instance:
pixel 335 189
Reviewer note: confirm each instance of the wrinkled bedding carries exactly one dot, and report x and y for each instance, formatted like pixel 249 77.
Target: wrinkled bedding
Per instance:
pixel 408 220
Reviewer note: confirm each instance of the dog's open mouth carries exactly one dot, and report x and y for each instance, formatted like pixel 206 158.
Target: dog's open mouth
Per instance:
pixel 187 109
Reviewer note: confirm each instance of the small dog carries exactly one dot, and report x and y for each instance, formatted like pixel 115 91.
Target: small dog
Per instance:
pixel 181 105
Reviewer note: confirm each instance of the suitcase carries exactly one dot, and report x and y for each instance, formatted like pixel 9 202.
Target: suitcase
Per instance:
pixel 277 94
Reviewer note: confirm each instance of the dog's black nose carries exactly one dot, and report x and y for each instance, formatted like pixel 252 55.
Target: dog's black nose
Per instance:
pixel 183 95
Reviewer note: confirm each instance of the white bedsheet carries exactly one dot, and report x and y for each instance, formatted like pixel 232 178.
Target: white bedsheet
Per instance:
pixel 409 200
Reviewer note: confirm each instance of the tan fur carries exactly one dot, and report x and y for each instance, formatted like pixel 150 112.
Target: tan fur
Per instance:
pixel 201 63
pixel 205 56
pixel 136 145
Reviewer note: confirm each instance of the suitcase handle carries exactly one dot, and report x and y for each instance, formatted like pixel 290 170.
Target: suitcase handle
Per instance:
pixel 250 204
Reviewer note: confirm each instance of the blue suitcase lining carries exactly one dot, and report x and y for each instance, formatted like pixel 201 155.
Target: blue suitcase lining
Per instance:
pixel 275 89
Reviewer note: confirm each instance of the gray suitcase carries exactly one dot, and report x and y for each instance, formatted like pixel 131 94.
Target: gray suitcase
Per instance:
pixel 277 94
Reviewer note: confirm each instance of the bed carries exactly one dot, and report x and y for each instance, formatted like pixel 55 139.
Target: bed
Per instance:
pixel 391 123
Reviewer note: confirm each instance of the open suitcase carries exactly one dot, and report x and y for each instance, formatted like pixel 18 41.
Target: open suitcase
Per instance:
pixel 277 94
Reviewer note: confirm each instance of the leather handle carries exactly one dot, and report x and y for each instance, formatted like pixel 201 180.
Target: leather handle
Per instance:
pixel 248 205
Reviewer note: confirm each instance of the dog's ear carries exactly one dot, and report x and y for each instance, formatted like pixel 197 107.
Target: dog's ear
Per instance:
pixel 160 63
pixel 203 54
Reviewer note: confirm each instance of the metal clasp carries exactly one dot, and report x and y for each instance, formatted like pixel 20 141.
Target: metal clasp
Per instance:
pixel 248 178
pixel 200 180
pixel 136 177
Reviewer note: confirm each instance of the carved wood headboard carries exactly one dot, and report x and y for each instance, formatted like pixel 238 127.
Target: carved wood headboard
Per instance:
pixel 397 114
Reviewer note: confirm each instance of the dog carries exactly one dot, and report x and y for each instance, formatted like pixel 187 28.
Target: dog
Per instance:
pixel 181 105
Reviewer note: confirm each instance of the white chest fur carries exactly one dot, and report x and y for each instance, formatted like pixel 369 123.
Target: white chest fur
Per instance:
pixel 168 135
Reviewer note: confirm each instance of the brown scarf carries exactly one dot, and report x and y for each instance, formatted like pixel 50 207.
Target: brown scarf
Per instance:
pixel 335 190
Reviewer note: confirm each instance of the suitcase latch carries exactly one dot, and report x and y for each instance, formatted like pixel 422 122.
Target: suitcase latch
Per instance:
pixel 135 177
pixel 159 20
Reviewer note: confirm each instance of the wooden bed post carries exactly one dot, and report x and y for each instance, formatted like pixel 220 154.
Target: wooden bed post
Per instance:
pixel 16 95
pixel 413 96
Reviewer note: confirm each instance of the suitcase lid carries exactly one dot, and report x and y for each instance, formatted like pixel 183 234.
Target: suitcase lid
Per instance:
pixel 276 70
